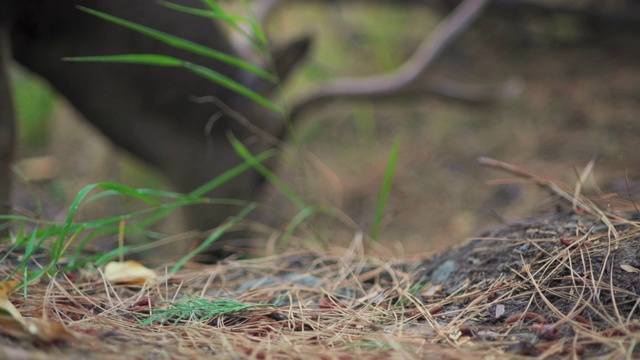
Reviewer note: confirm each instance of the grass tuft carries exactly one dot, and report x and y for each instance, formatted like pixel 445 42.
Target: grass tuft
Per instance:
pixel 386 188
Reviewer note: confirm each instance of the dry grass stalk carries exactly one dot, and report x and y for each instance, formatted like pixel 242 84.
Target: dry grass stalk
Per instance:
pixel 554 286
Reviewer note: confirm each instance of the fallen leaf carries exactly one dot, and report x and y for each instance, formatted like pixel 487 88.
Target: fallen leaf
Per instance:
pixel 129 273
pixel 9 315
pixel 629 268
pixel 7 287
pixel 432 290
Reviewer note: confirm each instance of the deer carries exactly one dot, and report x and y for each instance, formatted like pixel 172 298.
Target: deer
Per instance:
pixel 148 111
pixel 145 110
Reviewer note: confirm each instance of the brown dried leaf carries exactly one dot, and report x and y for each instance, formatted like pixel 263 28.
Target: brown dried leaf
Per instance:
pixel 7 287
pixel 129 273
pixel 9 315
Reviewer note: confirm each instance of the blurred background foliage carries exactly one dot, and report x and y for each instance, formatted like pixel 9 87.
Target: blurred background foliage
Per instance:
pixel 581 99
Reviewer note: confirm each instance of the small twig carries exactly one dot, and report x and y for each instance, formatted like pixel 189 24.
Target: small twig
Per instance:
pixel 512 169
pixel 582 178
pixel 585 204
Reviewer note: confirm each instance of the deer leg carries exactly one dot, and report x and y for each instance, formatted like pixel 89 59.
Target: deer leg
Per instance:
pixel 7 127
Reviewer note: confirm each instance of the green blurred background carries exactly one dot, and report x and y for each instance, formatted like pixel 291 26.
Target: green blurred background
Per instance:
pixel 581 99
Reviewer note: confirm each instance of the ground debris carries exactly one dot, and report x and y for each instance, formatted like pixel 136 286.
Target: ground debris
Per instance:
pixel 550 286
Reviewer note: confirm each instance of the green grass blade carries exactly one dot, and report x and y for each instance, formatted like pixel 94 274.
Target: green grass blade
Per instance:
pixel 386 188
pixel 60 243
pixel 33 243
pixel 232 20
pixel 301 216
pixel 143 59
pixel 270 176
pixel 232 85
pixel 183 44
pixel 230 174
pixel 221 230
pixel 128 191
pixel 213 5
pixel 256 27
pixel 219 13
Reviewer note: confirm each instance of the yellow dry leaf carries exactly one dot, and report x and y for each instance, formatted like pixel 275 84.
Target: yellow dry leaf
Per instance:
pixel 629 268
pixel 7 287
pixel 9 315
pixel 432 291
pixel 129 272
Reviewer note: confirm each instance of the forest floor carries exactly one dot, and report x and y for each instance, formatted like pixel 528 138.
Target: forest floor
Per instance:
pixel 563 284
